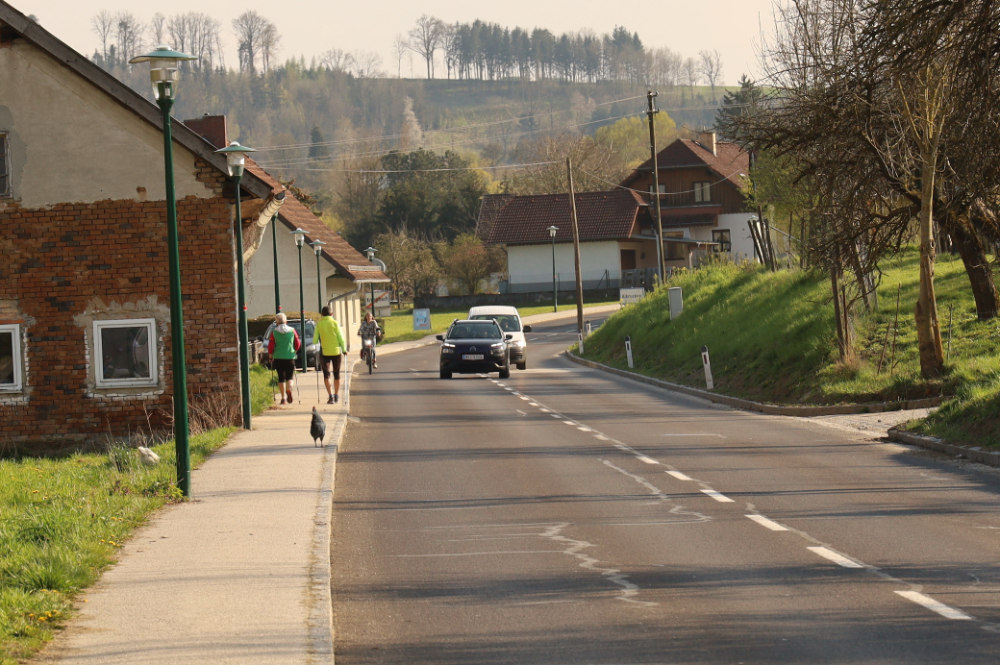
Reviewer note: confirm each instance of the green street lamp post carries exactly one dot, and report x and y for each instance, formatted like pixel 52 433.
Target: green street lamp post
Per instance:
pixel 555 289
pixel 300 239
pixel 371 285
pixel 236 159
pixel 317 246
pixel 164 75
pixel 274 251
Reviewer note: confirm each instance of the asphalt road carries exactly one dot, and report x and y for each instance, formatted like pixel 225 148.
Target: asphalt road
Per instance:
pixel 568 516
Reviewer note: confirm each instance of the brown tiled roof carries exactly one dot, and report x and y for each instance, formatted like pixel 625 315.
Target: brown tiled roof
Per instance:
pixel 730 162
pixel 525 220
pixel 294 215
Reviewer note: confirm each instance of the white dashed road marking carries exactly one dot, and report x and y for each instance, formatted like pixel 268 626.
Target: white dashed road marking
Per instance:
pixel 679 476
pixel 721 498
pixel 935 606
pixel 838 559
pixel 647 460
pixel 763 521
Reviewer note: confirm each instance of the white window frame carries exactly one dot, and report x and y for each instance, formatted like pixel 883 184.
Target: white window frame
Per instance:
pixel 130 382
pixel 5 185
pixel 15 331
pixel 702 192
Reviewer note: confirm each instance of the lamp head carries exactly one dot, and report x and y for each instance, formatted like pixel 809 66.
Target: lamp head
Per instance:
pixel 236 157
pixel 317 246
pixel 552 231
pixel 371 253
pixel 163 72
pixel 300 237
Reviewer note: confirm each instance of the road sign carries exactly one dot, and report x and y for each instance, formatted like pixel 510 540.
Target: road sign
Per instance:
pixel 421 319
pixel 630 296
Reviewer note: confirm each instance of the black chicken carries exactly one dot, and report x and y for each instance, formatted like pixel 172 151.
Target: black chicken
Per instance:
pixel 317 429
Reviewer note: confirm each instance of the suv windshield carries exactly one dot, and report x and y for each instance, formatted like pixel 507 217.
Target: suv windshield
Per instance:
pixel 509 322
pixel 470 330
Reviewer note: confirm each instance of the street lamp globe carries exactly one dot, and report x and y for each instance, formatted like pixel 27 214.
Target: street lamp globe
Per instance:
pixel 552 231
pixel 236 158
pixel 371 253
pixel 163 71
pixel 317 246
pixel 300 237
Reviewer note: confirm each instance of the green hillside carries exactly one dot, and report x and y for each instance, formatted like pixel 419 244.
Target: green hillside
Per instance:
pixel 772 338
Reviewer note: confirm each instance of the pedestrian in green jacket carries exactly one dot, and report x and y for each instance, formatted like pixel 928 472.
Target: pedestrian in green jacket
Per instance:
pixel 331 340
pixel 282 347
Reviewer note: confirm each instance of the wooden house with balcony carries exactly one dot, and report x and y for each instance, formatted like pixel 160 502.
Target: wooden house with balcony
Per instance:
pixel 701 198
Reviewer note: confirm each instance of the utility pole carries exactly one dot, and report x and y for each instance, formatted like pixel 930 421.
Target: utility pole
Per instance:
pixel 576 248
pixel 661 264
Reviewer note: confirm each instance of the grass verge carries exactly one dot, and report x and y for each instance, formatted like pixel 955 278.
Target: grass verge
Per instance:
pixel 772 338
pixel 63 520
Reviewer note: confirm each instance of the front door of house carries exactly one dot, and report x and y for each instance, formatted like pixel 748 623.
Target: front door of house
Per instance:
pixel 628 259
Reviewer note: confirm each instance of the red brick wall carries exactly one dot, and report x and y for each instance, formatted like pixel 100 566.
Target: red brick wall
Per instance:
pixel 64 265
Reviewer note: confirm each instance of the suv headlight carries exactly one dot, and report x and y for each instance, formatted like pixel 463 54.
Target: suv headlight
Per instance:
pixel 447 348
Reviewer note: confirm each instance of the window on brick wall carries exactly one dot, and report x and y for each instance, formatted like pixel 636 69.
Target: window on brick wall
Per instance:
pixel 4 167
pixel 10 358
pixel 125 351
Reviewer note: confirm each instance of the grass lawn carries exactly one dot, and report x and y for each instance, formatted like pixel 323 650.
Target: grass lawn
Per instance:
pixel 399 327
pixel 772 338
pixel 63 520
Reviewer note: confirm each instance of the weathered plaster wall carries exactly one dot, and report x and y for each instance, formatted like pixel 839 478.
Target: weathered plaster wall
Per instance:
pixel 530 266
pixel 70 142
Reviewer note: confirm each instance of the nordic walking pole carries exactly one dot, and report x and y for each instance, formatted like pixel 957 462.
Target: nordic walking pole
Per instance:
pixel 317 378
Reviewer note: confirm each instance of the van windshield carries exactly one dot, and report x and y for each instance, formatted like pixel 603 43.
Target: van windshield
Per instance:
pixel 509 322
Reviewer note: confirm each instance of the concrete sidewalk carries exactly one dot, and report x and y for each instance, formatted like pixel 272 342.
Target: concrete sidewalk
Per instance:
pixel 239 574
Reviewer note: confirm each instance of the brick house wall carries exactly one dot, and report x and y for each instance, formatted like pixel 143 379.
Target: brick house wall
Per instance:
pixel 66 265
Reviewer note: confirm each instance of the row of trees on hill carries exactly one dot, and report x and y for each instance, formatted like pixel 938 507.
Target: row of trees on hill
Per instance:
pixel 123 35
pixel 489 51
pixel 880 129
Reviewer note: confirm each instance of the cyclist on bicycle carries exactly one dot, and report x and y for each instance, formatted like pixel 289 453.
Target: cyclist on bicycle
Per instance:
pixel 369 330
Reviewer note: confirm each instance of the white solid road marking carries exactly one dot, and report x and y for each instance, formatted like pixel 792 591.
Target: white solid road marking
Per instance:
pixel 721 498
pixel 838 559
pixel 647 460
pixel 763 521
pixel 679 476
pixel 935 606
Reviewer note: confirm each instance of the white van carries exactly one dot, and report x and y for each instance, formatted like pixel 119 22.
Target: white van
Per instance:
pixel 510 321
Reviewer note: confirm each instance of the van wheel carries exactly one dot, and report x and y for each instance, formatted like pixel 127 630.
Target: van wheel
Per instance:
pixel 523 365
pixel 445 375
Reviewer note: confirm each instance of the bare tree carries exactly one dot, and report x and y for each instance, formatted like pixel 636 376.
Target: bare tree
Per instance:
pixel 269 44
pixel 128 34
pixel 690 75
pixel 400 46
pixel 337 60
pixel 103 24
pixel 711 68
pixel 425 39
pixel 251 28
pixel 156 25
pixel 366 64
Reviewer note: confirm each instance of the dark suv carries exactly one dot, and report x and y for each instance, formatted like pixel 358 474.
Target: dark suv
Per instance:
pixel 472 347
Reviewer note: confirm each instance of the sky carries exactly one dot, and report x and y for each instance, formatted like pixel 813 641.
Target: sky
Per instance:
pixel 311 27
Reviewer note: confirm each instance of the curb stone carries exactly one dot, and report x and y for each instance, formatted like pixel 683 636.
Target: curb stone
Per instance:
pixel 770 409
pixel 933 443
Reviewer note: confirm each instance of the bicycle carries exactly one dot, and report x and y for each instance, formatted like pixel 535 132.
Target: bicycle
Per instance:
pixel 368 352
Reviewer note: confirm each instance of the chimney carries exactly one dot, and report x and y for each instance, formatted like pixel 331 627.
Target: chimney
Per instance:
pixel 707 139
pixel 212 128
